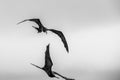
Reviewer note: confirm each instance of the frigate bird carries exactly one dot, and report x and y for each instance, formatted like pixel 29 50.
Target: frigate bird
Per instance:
pixel 41 28
pixel 48 64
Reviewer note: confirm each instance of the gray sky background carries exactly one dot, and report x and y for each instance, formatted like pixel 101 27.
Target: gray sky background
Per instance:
pixel 91 27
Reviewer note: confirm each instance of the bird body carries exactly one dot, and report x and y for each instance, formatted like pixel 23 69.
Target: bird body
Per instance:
pixel 41 28
pixel 48 64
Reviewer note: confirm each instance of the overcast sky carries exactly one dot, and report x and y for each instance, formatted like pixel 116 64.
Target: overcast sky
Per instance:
pixel 91 27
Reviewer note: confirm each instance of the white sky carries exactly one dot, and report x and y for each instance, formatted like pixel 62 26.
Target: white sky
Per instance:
pixel 91 28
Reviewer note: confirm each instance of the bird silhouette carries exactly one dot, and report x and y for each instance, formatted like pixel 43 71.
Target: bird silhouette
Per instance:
pixel 41 28
pixel 48 64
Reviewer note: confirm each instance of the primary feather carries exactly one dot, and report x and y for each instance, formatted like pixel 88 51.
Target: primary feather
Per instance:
pixel 62 37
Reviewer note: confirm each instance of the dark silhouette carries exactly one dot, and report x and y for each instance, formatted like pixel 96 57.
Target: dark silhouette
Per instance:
pixel 48 64
pixel 44 29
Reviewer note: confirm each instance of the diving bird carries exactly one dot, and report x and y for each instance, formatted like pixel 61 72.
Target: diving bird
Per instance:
pixel 48 64
pixel 41 28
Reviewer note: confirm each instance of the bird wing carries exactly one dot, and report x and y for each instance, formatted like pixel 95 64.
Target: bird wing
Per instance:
pixel 22 21
pixel 36 66
pixel 61 35
pixel 48 61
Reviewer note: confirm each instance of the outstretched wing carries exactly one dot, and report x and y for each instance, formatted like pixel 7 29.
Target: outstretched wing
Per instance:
pixel 35 65
pixel 22 21
pixel 61 35
pixel 48 61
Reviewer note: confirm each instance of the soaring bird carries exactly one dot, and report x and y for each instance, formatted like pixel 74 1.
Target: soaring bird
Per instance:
pixel 41 28
pixel 48 64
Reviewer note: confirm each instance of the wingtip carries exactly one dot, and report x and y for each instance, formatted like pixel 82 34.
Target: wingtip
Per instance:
pixel 68 52
pixel 18 23
pixel 35 65
pixel 48 45
pixel 22 21
pixel 31 63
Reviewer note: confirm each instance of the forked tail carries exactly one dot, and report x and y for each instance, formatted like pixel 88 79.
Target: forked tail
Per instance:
pixel 62 76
